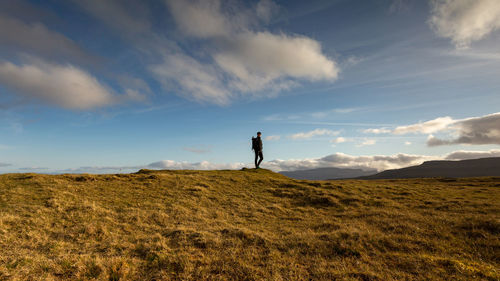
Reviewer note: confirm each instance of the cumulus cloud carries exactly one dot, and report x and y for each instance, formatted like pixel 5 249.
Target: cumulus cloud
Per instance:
pixel 338 160
pixel 63 85
pixel 369 162
pixel 239 60
pixel 160 165
pixel 341 160
pixel 464 21
pixel 313 133
pixel 474 130
pixel 262 57
pixel 273 138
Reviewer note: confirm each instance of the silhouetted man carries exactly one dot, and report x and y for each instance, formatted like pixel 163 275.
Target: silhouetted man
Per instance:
pixel 257 148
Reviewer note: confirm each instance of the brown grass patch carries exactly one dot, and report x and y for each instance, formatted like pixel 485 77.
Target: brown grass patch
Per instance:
pixel 246 225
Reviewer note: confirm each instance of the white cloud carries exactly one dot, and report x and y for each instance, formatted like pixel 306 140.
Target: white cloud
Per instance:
pixel 239 60
pixel 428 127
pixel 323 114
pixel 367 142
pixel 339 140
pixel 63 85
pixel 377 131
pixel 475 130
pixel 263 57
pixel 339 160
pixel 465 21
pixel 273 138
pixel 201 19
pixel 5 164
pixel 196 81
pixel 204 165
pixel 407 142
pixel 313 133
pixel 378 162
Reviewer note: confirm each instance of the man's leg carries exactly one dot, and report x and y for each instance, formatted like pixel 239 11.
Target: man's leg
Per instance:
pixel 261 156
pixel 256 157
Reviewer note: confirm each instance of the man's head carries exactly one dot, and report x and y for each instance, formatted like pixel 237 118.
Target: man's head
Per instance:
pixel 259 133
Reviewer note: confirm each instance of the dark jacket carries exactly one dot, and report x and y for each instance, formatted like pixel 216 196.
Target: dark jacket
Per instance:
pixel 259 146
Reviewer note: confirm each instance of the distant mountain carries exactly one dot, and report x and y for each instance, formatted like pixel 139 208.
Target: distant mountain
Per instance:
pixel 327 173
pixel 483 167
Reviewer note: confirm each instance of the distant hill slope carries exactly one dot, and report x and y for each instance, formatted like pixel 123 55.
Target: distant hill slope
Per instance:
pixel 484 167
pixel 250 224
pixel 327 173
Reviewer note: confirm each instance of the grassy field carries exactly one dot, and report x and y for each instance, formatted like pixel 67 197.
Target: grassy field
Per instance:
pixel 246 225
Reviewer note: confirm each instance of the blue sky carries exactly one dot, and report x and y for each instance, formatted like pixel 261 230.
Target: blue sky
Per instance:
pixel 106 86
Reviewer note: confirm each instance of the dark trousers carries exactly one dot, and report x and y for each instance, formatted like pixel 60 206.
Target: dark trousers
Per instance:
pixel 258 154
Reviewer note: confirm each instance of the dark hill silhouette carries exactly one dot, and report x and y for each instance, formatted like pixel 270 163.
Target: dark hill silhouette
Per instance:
pixel 483 167
pixel 327 173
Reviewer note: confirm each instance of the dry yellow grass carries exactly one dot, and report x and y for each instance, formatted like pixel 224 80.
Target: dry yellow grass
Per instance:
pixel 246 225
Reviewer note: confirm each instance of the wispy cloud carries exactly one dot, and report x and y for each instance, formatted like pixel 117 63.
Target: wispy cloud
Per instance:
pixel 241 60
pixel 273 138
pixel 383 130
pixel 367 142
pixel 313 133
pixel 308 115
pixel 33 169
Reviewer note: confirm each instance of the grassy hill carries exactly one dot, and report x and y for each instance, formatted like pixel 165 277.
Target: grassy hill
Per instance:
pixel 246 225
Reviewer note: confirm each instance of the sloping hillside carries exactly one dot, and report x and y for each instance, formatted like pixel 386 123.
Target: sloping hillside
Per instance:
pixel 483 167
pixel 246 225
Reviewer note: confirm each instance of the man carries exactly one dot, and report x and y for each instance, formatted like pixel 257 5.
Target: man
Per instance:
pixel 257 148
